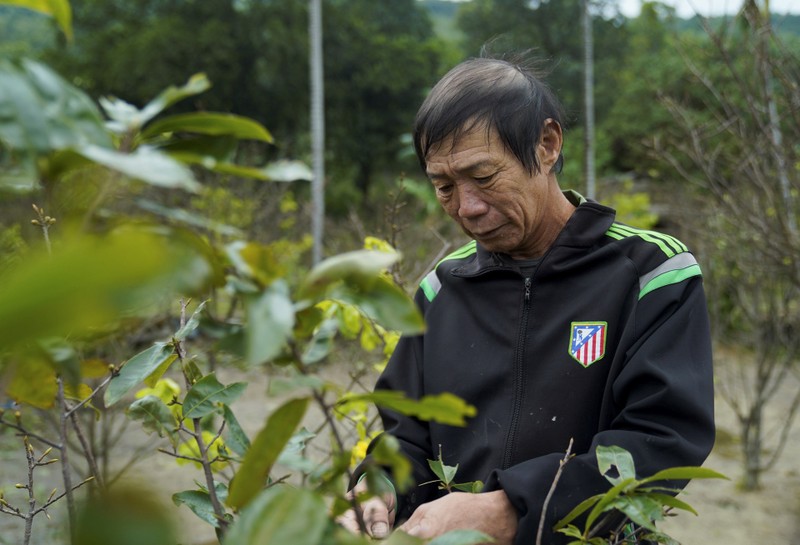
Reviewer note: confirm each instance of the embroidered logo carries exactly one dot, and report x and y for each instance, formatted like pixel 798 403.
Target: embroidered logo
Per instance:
pixel 588 342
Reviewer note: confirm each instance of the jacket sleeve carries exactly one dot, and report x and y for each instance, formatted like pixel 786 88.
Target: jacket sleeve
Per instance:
pixel 663 412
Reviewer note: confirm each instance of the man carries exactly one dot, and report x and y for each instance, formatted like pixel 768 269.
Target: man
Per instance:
pixel 556 322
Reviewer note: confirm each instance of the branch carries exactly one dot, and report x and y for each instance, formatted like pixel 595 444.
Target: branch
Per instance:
pixel 567 457
pixel 62 404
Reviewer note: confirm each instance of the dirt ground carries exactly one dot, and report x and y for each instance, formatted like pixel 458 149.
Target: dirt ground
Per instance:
pixel 727 516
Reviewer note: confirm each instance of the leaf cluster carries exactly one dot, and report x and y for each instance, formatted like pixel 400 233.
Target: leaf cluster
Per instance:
pixel 643 502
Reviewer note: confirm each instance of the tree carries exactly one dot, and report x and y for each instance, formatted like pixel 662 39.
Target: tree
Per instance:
pixel 380 57
pixel 726 143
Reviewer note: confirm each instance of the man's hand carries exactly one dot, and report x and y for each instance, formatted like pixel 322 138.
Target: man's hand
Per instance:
pixel 377 513
pixel 489 512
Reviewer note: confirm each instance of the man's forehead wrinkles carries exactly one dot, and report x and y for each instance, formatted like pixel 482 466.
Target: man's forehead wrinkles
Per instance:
pixel 458 167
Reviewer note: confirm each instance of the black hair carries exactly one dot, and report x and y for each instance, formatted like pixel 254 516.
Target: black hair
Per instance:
pixel 505 96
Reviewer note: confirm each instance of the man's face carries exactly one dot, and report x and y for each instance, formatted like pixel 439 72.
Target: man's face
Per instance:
pixel 490 194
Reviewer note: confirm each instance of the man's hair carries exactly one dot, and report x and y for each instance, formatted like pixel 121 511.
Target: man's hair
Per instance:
pixel 507 97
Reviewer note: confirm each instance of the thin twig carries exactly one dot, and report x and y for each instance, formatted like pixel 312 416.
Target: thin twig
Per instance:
pixel 24 431
pixel 65 457
pixel 561 464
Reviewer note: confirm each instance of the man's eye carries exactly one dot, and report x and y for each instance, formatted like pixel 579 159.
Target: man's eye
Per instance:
pixel 483 179
pixel 444 190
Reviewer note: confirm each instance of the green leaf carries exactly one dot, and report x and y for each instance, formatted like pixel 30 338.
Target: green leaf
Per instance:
pixel 321 344
pixel 386 452
pixel 384 302
pixel 138 368
pixel 672 501
pixel 152 379
pixel 128 119
pixel 642 510
pixel 90 282
pixel 207 394
pixel 279 386
pixel 264 451
pixel 197 84
pixel 685 473
pixel 604 504
pixel 270 320
pixel 288 171
pixel 291 456
pixel 613 456
pixel 445 473
pixel 154 415
pixel 146 164
pixel 192 323
pixel 444 408
pixel 59 10
pixel 220 167
pixel 197 148
pixel 577 511
pixel 461 537
pixel 402 538
pixel 571 531
pixel 473 487
pixel 358 267
pixel 209 123
pixel 199 501
pixel 184 217
pixel 235 437
pixel 32 380
pixel 40 112
pixel 63 357
pixel 279 515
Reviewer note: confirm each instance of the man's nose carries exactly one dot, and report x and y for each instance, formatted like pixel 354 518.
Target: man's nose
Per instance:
pixel 470 203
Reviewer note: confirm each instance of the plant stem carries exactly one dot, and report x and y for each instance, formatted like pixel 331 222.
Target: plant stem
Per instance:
pixel 31 499
pixel 87 451
pixel 561 464
pixel 197 434
pixel 64 457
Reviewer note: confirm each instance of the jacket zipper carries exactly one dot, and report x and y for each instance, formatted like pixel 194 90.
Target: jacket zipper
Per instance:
pixel 519 358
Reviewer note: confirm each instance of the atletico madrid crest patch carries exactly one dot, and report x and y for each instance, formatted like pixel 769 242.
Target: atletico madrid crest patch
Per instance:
pixel 588 342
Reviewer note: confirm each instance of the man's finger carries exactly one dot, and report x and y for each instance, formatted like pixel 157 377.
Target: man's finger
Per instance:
pixel 376 518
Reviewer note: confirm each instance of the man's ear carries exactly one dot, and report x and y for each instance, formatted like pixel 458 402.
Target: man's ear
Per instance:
pixel 549 148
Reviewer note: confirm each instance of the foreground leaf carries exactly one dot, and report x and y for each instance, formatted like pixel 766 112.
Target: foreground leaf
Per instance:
pixel 266 447
pixel 209 123
pixel 89 282
pixel 281 515
pixel 461 537
pixel 40 112
pixel 59 10
pixel 444 408
pixel 145 164
pixel 358 267
pixel 270 320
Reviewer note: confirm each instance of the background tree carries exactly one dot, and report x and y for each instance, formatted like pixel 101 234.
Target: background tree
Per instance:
pixel 728 137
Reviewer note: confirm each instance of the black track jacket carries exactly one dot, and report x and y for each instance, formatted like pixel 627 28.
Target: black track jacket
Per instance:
pixel 607 343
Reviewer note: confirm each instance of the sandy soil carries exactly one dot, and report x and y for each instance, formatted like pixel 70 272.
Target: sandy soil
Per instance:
pixel 729 516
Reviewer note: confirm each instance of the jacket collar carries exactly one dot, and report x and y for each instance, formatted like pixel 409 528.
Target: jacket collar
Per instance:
pixel 585 227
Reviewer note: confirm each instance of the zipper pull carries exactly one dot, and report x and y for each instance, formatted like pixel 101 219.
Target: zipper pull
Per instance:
pixel 527 289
